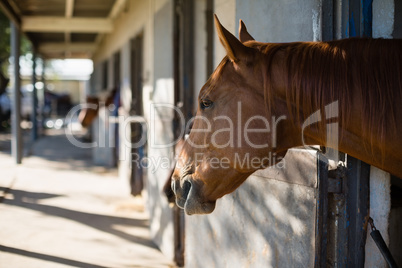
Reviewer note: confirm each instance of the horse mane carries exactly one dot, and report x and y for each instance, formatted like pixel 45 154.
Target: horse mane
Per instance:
pixel 319 73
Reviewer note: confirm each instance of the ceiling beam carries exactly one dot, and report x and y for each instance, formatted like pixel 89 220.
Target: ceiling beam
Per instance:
pixel 62 24
pixel 117 7
pixel 68 47
pixel 64 55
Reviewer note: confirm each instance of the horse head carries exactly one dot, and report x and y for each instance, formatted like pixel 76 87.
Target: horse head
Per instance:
pixel 228 140
pixel 265 98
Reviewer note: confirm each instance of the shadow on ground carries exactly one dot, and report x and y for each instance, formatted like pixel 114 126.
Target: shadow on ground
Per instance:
pixel 55 146
pixel 100 222
pixel 46 257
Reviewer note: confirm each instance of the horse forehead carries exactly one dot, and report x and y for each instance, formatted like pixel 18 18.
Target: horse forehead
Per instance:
pixel 221 76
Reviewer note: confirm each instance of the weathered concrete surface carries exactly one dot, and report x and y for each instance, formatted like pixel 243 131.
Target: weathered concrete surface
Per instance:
pixel 58 210
pixel 266 222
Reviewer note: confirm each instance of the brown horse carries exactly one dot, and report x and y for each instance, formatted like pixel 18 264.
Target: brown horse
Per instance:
pixel 265 98
pixel 87 115
pixel 93 103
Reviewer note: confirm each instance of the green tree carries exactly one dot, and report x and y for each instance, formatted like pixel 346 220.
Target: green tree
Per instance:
pixel 5 50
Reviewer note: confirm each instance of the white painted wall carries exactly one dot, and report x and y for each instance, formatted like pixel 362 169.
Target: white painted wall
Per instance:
pixel 226 12
pixel 124 161
pixel 200 49
pixel 380 206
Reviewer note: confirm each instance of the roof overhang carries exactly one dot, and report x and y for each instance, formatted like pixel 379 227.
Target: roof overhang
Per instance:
pixel 63 28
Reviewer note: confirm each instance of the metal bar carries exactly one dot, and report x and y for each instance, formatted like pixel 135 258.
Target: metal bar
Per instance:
pixel 337 19
pixel 357 209
pixel 178 98
pixel 367 18
pixel 354 18
pixel 43 97
pixel 344 23
pixel 322 212
pixel 210 36
pixel 16 142
pixel 382 246
pixel 188 59
pixel 327 20
pixel 34 101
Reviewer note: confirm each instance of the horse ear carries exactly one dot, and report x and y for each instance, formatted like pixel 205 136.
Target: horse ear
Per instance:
pixel 243 34
pixel 235 50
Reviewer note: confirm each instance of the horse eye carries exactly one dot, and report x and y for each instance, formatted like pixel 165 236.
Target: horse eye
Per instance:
pixel 206 103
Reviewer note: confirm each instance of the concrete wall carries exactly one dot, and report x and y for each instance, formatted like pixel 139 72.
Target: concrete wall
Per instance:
pixel 281 21
pixel 153 19
pixel 383 18
pixel 266 222
pixel 160 145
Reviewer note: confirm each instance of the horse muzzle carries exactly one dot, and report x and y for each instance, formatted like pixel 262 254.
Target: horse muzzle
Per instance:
pixel 188 197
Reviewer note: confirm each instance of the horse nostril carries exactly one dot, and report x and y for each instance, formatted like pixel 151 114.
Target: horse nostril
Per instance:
pixel 186 189
pixel 173 186
pixel 182 192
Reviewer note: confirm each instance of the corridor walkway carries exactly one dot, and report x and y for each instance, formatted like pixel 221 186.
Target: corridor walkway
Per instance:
pixel 59 210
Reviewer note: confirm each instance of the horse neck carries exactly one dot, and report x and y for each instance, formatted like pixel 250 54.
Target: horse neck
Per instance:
pixel 336 91
pixel 291 133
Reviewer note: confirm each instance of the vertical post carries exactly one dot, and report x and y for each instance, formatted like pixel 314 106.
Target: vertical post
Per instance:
pixel 188 59
pixel 327 20
pixel 43 103
pixel 210 36
pixel 16 142
pixel 367 18
pixel 355 15
pixel 322 212
pixel 34 100
pixel 357 208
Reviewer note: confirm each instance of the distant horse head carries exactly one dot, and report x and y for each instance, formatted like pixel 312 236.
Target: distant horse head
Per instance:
pixel 255 105
pixel 87 115
pixel 92 105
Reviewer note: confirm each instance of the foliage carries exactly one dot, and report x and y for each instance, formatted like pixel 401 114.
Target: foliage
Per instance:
pixel 5 32
pixel 5 49
pixel 5 37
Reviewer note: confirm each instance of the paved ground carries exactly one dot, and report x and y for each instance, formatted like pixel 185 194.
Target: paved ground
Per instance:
pixel 58 210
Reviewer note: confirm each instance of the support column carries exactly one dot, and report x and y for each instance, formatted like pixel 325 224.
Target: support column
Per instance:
pixel 16 142
pixel 34 100
pixel 43 104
